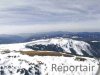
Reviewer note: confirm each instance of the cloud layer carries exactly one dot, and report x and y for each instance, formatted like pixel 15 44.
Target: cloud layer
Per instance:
pixel 77 13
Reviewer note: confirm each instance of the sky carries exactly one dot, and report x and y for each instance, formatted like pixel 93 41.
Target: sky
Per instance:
pixel 28 16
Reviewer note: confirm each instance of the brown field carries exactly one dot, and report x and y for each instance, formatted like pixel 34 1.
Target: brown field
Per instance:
pixel 45 53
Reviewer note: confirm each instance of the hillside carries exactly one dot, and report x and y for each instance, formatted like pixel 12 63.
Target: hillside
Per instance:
pixel 17 64
pixel 65 45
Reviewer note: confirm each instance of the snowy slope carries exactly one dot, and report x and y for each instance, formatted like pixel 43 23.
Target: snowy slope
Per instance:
pixel 18 64
pixel 67 45
pixel 57 44
pixel 14 47
pixel 14 63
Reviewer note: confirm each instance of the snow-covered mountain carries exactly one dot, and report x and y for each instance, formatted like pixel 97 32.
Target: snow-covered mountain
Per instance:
pixel 12 62
pixel 54 44
pixel 62 45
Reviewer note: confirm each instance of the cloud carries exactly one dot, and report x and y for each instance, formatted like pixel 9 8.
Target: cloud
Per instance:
pixel 71 27
pixel 47 12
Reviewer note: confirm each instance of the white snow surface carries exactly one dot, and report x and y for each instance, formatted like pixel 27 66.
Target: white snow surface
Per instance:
pixel 14 47
pixel 18 64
